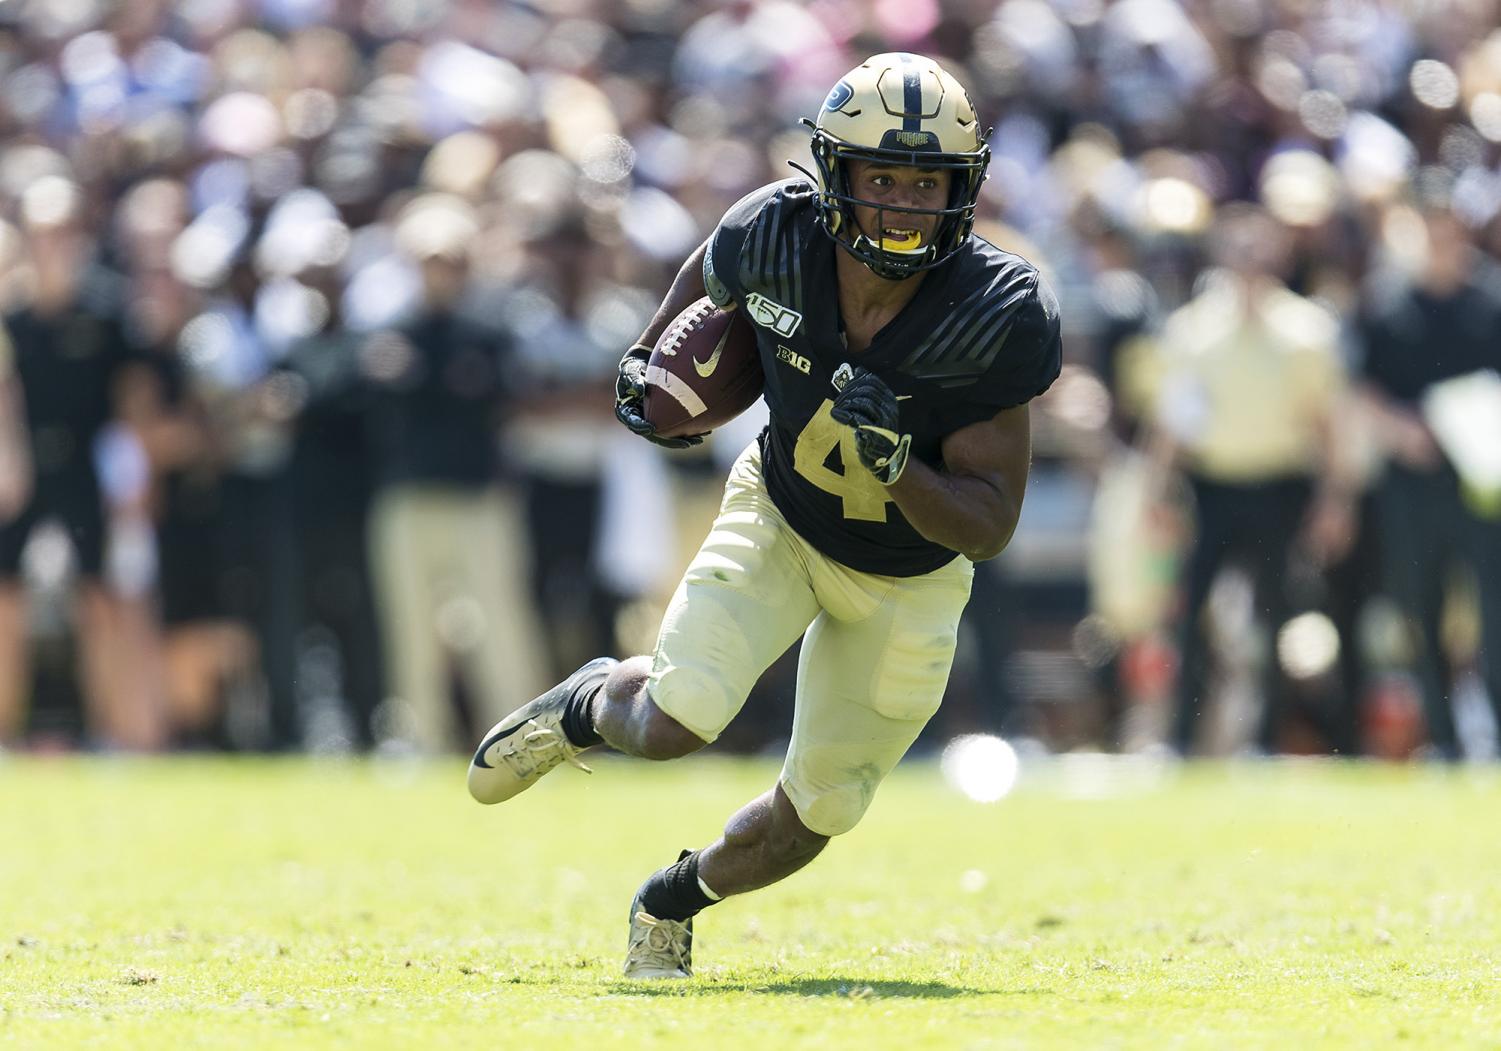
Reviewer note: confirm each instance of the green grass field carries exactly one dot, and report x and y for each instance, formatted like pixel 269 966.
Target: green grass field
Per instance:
pixel 201 903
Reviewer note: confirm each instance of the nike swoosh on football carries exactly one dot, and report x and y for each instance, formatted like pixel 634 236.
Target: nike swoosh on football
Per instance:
pixel 705 369
pixel 492 740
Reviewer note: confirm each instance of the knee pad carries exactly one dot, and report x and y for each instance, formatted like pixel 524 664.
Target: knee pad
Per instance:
pixel 832 810
pixel 696 698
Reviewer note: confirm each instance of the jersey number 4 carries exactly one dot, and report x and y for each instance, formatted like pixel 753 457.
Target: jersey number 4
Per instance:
pixel 864 498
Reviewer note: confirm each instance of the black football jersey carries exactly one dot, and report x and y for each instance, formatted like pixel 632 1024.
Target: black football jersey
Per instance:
pixel 980 335
pixel 68 364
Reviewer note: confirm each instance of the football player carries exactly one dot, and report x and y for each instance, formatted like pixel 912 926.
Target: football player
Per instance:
pixel 900 352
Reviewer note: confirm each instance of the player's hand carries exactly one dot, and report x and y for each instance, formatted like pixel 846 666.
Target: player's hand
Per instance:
pixel 16 484
pixel 1411 442
pixel 1330 528
pixel 630 396
pixel 868 405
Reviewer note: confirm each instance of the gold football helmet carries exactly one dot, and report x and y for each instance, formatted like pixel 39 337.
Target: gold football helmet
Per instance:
pixel 898 108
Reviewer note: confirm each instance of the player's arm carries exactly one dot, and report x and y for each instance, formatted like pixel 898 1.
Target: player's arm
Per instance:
pixel 973 503
pixel 687 288
pixel 630 383
pixel 1396 425
pixel 710 271
pixel 1399 429
pixel 15 449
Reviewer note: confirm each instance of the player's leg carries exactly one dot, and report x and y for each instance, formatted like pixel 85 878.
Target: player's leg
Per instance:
pixel 407 543
pixel 1485 548
pixel 1415 550
pixel 15 669
pixel 765 841
pixel 1283 507
pixel 625 717
pixel 866 687
pixel 97 621
pixel 1211 544
pixel 504 669
pixel 118 644
pixel 15 648
pixel 743 601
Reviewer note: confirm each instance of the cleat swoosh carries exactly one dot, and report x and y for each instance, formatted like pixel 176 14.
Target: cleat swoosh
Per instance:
pixel 492 741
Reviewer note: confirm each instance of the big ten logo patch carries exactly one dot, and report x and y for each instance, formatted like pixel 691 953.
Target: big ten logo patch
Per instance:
pixel 768 313
pixel 793 358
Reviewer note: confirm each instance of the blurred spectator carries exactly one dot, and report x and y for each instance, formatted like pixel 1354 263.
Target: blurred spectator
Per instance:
pixel 242 495
pixel 570 321
pixel 210 658
pixel 65 365
pixel 1418 329
pixel 1135 534
pixel 1243 393
pixel 340 680
pixel 447 537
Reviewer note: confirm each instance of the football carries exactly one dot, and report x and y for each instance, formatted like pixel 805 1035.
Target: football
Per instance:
pixel 703 372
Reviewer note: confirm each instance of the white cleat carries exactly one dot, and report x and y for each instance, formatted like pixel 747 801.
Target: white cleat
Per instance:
pixel 658 948
pixel 530 741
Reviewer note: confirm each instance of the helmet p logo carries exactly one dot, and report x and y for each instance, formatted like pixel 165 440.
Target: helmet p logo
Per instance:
pixel 841 94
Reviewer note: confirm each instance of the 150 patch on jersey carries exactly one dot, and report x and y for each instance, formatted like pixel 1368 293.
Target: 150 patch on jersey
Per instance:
pixel 768 313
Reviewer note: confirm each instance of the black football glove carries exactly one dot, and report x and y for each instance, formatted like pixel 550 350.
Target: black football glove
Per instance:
pixel 630 396
pixel 867 404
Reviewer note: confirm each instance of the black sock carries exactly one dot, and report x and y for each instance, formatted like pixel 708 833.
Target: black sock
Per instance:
pixel 673 893
pixel 578 714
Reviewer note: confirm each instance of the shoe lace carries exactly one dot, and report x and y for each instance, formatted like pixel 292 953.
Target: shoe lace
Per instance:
pixel 661 942
pixel 540 748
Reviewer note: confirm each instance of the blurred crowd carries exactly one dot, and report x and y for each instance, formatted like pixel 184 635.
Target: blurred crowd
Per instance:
pixel 312 310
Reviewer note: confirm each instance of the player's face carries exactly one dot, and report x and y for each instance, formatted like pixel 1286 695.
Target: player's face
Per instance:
pixel 898 186
pixel 443 280
pixel 58 245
